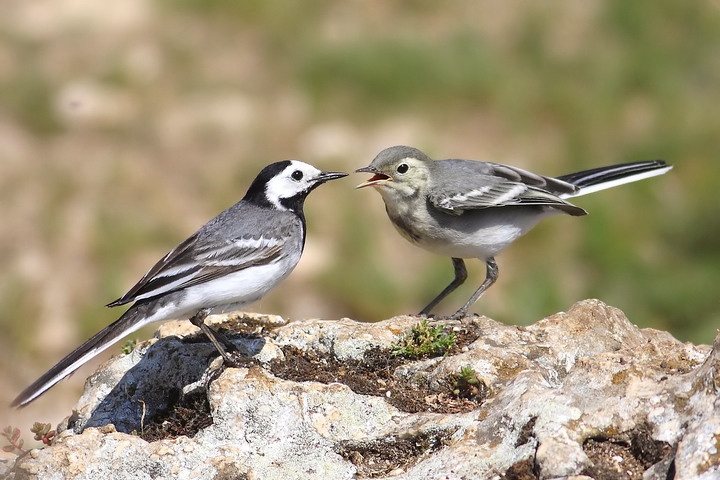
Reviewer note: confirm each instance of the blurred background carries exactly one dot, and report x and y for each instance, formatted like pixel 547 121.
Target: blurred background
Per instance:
pixel 124 126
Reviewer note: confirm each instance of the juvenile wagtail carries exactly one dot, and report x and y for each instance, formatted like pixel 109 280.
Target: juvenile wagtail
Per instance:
pixel 234 259
pixel 472 209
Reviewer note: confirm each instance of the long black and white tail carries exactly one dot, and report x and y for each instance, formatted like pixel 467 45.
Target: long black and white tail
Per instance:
pixel 133 319
pixel 589 181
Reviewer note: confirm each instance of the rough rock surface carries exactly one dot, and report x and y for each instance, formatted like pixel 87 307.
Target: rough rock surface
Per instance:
pixel 582 394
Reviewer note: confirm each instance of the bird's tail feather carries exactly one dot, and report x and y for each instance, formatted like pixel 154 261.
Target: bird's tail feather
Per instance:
pixel 596 179
pixel 133 319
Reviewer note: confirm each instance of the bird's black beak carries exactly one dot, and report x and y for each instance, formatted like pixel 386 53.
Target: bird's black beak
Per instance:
pixel 375 179
pixel 326 176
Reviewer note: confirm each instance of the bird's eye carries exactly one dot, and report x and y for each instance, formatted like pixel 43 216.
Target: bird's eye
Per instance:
pixel 402 168
pixel 297 175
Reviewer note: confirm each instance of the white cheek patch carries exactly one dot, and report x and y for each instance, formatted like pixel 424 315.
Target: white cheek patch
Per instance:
pixel 284 186
pixel 279 187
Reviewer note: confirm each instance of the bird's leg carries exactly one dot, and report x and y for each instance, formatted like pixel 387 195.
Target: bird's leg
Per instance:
pixel 460 277
pixel 217 338
pixel 490 277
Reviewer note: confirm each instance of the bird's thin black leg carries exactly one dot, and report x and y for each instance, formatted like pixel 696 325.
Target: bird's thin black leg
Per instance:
pixel 490 277
pixel 222 344
pixel 460 277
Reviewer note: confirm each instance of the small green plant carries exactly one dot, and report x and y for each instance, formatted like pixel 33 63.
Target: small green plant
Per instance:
pixel 423 341
pixel 129 346
pixel 466 384
pixel 43 432
pixel 12 434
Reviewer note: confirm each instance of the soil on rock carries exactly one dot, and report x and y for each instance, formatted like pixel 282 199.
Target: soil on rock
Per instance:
pixel 373 375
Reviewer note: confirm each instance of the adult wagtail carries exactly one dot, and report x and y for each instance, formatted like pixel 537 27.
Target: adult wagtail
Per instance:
pixel 472 209
pixel 234 259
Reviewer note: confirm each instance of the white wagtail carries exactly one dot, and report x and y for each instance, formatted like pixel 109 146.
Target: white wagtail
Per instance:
pixel 234 259
pixel 472 209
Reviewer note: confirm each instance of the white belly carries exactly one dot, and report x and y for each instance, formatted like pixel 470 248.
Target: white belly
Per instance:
pixel 239 288
pixel 474 234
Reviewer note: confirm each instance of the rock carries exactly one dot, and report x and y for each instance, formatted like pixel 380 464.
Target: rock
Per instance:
pixel 582 394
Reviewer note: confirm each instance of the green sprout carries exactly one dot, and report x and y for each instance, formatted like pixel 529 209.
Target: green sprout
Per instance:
pixel 466 384
pixel 424 341
pixel 43 432
pixel 129 346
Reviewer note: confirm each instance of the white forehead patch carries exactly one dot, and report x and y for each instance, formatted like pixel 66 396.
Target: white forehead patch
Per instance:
pixel 296 178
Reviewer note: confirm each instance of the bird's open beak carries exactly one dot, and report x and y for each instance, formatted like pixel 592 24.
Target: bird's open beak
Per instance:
pixel 376 179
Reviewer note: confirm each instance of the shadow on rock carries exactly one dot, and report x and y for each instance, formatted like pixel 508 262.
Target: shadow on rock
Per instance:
pixel 151 381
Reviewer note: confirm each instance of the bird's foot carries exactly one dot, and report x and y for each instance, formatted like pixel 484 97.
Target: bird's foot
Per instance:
pixel 237 359
pixel 434 316
pixel 459 315
pixel 462 315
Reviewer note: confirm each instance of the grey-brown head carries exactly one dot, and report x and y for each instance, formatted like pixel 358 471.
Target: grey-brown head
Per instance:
pixel 398 170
